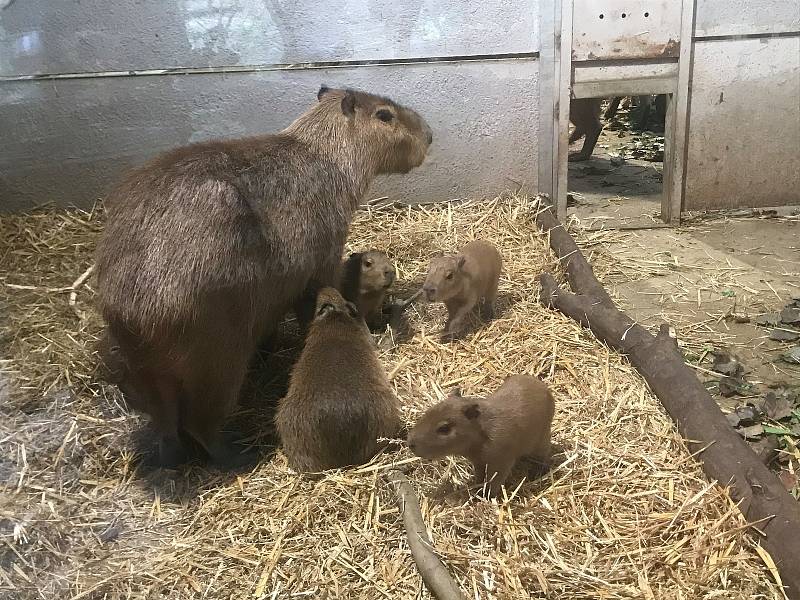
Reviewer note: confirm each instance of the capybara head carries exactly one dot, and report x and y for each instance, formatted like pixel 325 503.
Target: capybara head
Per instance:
pixel 394 136
pixel 377 272
pixel 445 278
pixel 451 427
pixel 330 303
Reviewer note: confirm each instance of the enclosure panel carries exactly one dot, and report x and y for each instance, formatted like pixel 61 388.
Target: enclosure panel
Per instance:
pixel 744 125
pixel 590 81
pixel 75 136
pixel 48 36
pixel 746 17
pixel 611 30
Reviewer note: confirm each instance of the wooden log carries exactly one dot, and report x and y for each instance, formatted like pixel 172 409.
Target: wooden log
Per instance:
pixel 579 272
pixel 723 454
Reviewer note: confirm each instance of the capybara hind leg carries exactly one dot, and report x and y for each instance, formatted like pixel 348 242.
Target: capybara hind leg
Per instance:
pixel 493 475
pixel 612 108
pixel 541 455
pixel 209 400
pixel 589 142
pixel 489 306
pixel 457 314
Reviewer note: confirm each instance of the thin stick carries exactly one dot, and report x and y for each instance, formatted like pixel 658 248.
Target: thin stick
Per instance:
pixel 434 574
pixel 76 285
pixel 403 303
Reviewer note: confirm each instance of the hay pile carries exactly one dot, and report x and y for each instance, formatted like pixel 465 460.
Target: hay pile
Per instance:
pixel 627 513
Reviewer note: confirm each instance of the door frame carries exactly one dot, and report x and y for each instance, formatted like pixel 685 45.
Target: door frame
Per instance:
pixel 557 85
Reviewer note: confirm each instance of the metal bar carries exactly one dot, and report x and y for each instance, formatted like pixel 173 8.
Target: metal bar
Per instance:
pixel 744 36
pixel 623 87
pixel 273 67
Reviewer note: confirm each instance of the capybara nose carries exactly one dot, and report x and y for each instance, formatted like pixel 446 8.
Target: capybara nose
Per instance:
pixel 430 137
pixel 389 273
pixel 429 292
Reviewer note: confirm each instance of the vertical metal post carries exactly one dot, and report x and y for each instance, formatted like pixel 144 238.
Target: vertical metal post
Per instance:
pixel 564 83
pixel 548 76
pixel 668 174
pixel 678 122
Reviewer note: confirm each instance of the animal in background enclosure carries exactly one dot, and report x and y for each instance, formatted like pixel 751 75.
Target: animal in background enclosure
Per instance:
pixel 648 112
pixel 462 281
pixel 339 400
pixel 493 432
pixel 585 115
pixel 206 247
pixel 366 277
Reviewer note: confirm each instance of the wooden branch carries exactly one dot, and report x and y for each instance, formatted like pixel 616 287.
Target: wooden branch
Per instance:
pixel 434 574
pixel 579 272
pixel 724 456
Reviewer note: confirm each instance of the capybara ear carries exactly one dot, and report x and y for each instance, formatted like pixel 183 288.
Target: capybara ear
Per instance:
pixel 324 89
pixel 384 114
pixel 472 411
pixel 325 309
pixel 461 260
pixel 349 103
pixel 455 392
pixel 351 308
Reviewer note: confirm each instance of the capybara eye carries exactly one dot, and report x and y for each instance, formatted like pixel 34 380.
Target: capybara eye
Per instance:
pixel 444 429
pixel 449 275
pixel 384 115
pixel 367 263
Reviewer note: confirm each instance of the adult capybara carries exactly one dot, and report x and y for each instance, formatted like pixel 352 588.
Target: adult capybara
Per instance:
pixel 461 281
pixel 339 400
pixel 493 433
pixel 366 276
pixel 206 247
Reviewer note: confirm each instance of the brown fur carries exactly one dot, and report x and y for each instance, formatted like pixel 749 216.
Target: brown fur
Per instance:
pixel 493 433
pixel 339 400
pixel 207 246
pixel 366 276
pixel 461 281
pixel 585 115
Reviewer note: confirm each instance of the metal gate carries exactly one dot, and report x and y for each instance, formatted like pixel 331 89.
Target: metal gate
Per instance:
pixel 600 48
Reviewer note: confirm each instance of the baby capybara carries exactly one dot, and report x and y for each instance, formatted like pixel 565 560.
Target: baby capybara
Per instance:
pixel 462 281
pixel 206 247
pixel 493 433
pixel 339 400
pixel 366 276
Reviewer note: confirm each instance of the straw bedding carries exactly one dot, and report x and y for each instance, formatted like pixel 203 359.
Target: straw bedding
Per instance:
pixel 626 513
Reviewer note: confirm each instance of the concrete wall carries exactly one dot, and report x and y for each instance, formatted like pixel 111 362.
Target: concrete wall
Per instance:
pixel 744 112
pixel 80 99
pixel 81 121
pixel 744 141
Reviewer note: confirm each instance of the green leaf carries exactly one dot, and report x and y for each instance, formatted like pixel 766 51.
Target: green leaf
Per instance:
pixel 776 430
pixel 728 293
